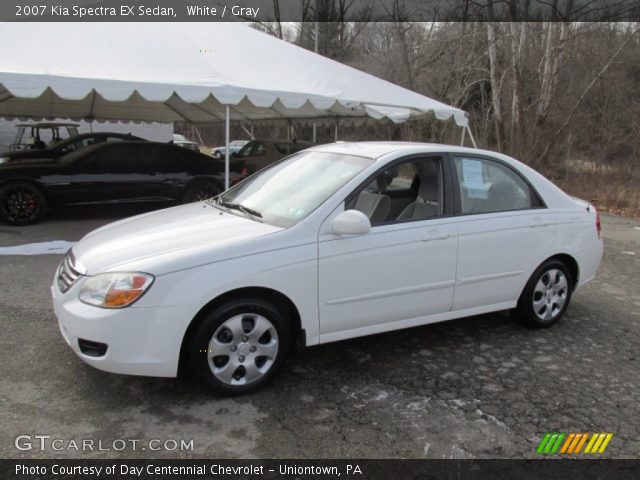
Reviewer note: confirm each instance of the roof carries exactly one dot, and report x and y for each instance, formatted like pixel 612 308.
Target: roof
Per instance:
pixel 376 150
pixel 47 124
pixel 188 72
pixel 280 140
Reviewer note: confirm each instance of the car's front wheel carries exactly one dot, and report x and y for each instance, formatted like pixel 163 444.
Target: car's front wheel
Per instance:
pixel 546 296
pixel 22 203
pixel 240 346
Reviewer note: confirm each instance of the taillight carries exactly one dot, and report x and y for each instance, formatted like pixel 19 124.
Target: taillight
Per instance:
pixel 598 224
pixel 244 172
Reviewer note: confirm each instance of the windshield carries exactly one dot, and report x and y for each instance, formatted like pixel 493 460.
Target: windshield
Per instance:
pixel 246 151
pixel 288 191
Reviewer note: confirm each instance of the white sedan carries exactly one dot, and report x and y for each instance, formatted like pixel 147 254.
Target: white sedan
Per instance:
pixel 334 242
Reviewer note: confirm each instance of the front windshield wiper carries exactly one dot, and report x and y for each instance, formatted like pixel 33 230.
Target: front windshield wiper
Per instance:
pixel 237 206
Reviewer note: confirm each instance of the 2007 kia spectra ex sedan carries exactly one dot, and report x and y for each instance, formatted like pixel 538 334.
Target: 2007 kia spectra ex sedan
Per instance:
pixel 333 242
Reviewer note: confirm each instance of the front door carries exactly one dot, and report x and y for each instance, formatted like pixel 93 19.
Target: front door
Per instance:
pixel 402 270
pixel 118 172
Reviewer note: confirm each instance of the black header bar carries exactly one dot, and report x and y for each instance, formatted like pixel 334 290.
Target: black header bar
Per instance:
pixel 317 10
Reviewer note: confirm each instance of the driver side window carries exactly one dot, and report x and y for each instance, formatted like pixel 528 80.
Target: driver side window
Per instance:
pixel 405 192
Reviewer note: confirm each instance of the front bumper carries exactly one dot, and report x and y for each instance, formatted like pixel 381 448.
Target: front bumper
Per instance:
pixel 140 340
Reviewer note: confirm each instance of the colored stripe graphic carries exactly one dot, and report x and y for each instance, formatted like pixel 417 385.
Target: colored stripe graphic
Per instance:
pixel 556 446
pixel 592 441
pixel 567 443
pixel 572 443
pixel 606 441
pixel 543 443
pixel 583 439
pixel 550 443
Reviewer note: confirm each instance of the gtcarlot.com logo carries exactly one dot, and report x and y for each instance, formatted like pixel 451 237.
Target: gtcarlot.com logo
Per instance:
pixel 42 442
pixel 574 443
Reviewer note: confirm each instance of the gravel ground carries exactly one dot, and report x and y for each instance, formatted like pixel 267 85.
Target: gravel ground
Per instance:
pixel 481 387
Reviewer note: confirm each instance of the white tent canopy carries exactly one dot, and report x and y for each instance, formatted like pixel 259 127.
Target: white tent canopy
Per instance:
pixel 186 72
pixel 196 72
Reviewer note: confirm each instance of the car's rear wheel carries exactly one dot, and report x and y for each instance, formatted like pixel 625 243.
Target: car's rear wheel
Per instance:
pixel 22 203
pixel 200 190
pixel 546 296
pixel 240 346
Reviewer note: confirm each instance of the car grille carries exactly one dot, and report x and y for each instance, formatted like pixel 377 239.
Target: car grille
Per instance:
pixel 67 273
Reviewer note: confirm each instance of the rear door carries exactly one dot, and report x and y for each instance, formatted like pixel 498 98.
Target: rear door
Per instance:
pixel 504 231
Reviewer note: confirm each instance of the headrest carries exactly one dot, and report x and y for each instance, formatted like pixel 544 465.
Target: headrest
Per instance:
pixel 503 187
pixel 429 189
pixel 382 183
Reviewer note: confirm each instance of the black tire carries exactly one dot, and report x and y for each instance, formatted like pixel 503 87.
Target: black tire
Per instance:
pixel 200 190
pixel 202 358
pixel 22 203
pixel 546 303
pixel 217 155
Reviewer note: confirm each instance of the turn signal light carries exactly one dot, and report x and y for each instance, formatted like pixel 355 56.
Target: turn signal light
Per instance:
pixel 115 290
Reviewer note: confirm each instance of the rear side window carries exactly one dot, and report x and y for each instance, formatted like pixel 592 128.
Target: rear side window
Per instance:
pixel 487 186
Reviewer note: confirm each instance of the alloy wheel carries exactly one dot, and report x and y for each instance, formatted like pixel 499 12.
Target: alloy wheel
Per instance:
pixel 20 203
pixel 550 294
pixel 243 349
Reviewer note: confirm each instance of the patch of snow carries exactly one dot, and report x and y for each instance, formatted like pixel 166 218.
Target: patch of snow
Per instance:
pixel 55 247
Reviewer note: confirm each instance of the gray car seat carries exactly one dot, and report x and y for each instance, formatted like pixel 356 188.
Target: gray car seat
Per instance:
pixel 375 205
pixel 427 203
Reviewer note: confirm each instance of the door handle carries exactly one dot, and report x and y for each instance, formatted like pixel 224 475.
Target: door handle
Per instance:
pixel 538 222
pixel 435 235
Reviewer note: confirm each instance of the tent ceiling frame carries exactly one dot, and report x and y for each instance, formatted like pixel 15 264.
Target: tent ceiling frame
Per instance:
pixel 211 113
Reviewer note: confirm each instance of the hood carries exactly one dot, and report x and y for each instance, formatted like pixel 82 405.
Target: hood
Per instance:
pixel 22 162
pixel 45 153
pixel 167 240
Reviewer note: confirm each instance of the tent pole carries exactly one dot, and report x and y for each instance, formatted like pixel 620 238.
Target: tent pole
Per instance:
pixel 248 132
pixel 314 132
pixel 473 140
pixel 336 131
pixel 464 130
pixel 197 131
pixel 226 150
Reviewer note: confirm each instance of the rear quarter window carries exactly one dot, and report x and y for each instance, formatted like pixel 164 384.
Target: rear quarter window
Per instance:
pixel 488 186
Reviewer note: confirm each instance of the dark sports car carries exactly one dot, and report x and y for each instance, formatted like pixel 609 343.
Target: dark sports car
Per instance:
pixel 107 173
pixel 68 145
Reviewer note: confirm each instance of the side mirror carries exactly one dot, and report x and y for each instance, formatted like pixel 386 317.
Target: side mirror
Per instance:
pixel 351 222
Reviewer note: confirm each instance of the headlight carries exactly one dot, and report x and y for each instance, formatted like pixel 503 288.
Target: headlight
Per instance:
pixel 115 290
pixel 4 159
